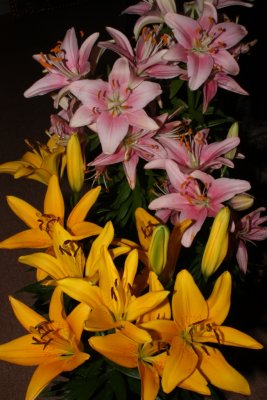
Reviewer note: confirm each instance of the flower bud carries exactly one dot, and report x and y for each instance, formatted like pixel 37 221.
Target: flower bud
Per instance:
pixel 241 202
pixel 217 244
pixel 233 132
pixel 75 164
pixel 158 248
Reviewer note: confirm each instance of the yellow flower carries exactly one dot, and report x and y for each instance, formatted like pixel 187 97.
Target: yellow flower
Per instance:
pixel 217 244
pixel 40 232
pixel 197 322
pixel 75 163
pixel 38 164
pixel 113 303
pixel 53 344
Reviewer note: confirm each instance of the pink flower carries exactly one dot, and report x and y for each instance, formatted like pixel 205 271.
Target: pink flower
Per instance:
pixel 198 5
pixel 114 105
pixel 192 152
pixel 248 229
pixel 151 12
pixel 203 44
pixel 65 65
pixel 136 144
pixel 147 58
pixel 196 196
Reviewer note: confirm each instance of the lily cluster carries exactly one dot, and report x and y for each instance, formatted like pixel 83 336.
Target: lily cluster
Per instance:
pixel 146 292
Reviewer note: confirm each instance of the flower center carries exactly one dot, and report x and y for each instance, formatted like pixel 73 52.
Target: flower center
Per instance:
pixel 46 222
pixel 206 41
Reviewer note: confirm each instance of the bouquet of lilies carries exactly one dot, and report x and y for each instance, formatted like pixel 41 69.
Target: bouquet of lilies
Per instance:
pixel 143 229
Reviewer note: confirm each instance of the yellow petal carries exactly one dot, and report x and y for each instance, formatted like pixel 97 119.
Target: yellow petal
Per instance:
pixel 104 239
pixel 44 262
pixel 24 314
pixel 179 365
pixel 49 370
pixel 174 248
pixel 149 381
pixel 56 308
pixel 220 299
pixel 31 238
pixel 81 290
pixel 196 383
pixel 11 167
pixel 188 303
pixel 22 351
pixel 134 332
pixel 27 213
pixel 117 348
pixel 82 208
pixel 221 374
pixel 85 229
pixel 77 318
pixel 130 269
pixel 231 337
pixel 39 175
pixel 145 224
pixel 54 202
pixel 145 303
pixel 100 319
pixel 163 311
pixel 161 329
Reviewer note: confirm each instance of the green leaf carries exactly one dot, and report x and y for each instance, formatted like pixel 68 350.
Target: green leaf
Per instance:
pixel 175 86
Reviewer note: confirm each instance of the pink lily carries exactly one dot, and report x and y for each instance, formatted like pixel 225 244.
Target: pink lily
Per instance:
pixel 66 64
pixel 114 105
pixel 151 12
pixel 147 58
pixel 249 229
pixel 136 144
pixel 203 44
pixel 196 197
pixel 192 152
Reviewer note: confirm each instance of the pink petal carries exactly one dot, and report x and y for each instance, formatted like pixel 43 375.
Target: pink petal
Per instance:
pixel 109 159
pixel 164 71
pixel 121 40
pixel 70 46
pixel 143 21
pixel 82 117
pixel 242 256
pixel 85 52
pixel 140 119
pixel 120 73
pixel 166 6
pixel 142 94
pixel 209 14
pixel 215 149
pixel 228 83
pixel 167 201
pixel 198 215
pixel 130 170
pixel 90 92
pixel 199 67
pixel 209 91
pixel 176 177
pixel 140 8
pixel 111 131
pixel 176 53
pixel 224 189
pixel 46 84
pixel 225 60
pixel 231 33
pixel 185 28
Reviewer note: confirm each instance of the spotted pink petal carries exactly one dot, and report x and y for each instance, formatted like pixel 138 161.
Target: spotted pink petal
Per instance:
pixel 231 33
pixel 184 28
pixel 89 92
pixel 120 73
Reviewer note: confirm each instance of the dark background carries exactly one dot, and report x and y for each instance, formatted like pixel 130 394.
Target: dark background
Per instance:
pixel 28 27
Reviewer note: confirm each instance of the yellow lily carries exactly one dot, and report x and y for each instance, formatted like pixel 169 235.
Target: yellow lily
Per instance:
pixel 217 245
pixel 113 303
pixel 68 259
pixel 53 344
pixel 41 224
pixel 197 322
pixel 38 164
pixel 75 163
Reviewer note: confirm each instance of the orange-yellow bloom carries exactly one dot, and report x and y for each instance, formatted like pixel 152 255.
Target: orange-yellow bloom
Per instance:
pixel 53 344
pixel 40 232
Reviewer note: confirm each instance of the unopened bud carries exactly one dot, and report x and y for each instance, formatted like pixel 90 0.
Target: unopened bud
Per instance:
pixel 217 244
pixel 75 163
pixel 233 132
pixel 241 202
pixel 158 249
